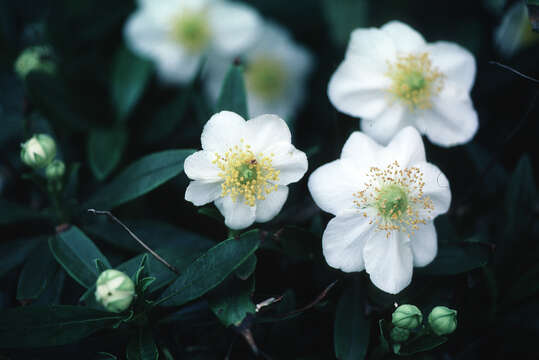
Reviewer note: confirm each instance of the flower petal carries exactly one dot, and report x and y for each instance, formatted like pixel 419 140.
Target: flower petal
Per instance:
pixel 455 62
pixel 268 208
pixel 291 162
pixel 235 26
pixel 406 147
pixel 238 215
pixel 385 125
pixel 343 241
pixel 405 38
pixel 372 43
pixel 424 244
pixel 332 185
pixel 199 166
pixel 389 261
pixel 360 146
pixel 202 192
pixel 266 130
pixel 223 131
pixel 436 188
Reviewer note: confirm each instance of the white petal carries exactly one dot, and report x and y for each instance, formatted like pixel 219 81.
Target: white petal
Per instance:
pixel 424 244
pixel 268 208
pixel 362 149
pixel 266 130
pixel 450 122
pixel 372 43
pixel 176 65
pixel 198 166
pixel 202 192
pixel 237 214
pixel 332 185
pixel 436 188
pixel 389 261
pixel 406 148
pixel 455 62
pixel 343 241
pixel 291 162
pixel 406 39
pixel 358 89
pixel 223 131
pixel 384 126
pixel 235 26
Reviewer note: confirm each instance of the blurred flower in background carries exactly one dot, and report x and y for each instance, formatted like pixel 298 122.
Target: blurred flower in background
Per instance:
pixel 276 71
pixel 392 78
pixel 176 34
pixel 515 31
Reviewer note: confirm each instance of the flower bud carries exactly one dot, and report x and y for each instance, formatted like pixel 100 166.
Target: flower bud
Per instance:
pixel 55 170
pixel 39 151
pixel 114 290
pixel 34 58
pixel 399 334
pixel 443 320
pixel 407 317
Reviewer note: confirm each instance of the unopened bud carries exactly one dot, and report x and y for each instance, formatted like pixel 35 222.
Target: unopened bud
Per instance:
pixel 34 58
pixel 39 151
pixel 443 320
pixel 407 316
pixel 399 334
pixel 114 290
pixel 55 170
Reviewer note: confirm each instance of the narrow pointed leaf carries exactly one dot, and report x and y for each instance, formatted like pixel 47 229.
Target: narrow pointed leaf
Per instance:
pixel 142 346
pixel 233 96
pixel 105 149
pixel 37 273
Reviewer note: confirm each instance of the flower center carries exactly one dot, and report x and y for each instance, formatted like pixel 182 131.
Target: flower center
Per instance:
pixel 415 80
pixel 393 199
pixel 266 77
pixel 246 175
pixel 191 30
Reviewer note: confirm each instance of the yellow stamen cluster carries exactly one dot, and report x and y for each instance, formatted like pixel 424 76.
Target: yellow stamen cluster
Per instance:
pixel 246 176
pixel 265 77
pixel 393 199
pixel 191 29
pixel 415 80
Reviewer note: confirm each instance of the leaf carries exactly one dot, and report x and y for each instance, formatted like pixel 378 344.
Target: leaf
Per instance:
pixel 14 252
pixel 232 300
pixel 13 213
pixel 524 286
pixel 105 149
pixel 142 346
pixel 139 178
pixel 37 273
pixel 211 212
pixel 352 329
pixel 167 118
pixel 345 16
pixel 457 258
pixel 210 269
pixel 520 197
pixel 129 77
pixel 247 268
pixel 233 96
pixel 77 254
pixel 100 266
pixel 422 343
pixel 34 326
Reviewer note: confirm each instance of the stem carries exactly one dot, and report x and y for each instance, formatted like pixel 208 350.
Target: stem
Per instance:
pixel 154 254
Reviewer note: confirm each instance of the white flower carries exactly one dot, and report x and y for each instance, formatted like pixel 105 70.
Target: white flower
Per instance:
pixel 244 167
pixel 177 33
pixel 384 200
pixel 276 71
pixel 392 78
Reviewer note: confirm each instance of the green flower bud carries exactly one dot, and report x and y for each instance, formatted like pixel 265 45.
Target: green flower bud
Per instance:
pixel 407 317
pixel 39 151
pixel 114 290
pixel 55 170
pixel 443 320
pixel 34 58
pixel 399 334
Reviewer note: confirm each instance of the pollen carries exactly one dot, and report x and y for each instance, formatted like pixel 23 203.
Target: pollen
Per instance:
pixel 414 81
pixel 191 30
pixel 247 176
pixel 266 77
pixel 393 199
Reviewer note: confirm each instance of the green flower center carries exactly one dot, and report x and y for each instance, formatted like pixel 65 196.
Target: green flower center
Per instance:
pixel 191 30
pixel 392 201
pixel 247 172
pixel 266 78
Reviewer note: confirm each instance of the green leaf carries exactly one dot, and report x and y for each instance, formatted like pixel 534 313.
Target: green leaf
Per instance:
pixel 37 273
pixel 34 326
pixel 210 269
pixel 13 213
pixel 129 77
pixel 457 258
pixel 77 254
pixel 233 96
pixel 232 300
pixel 211 212
pixel 520 197
pixel 352 328
pixel 139 178
pixel 142 346
pixel 345 16
pixel 15 251
pixel 100 266
pixel 247 268
pixel 105 149
pixel 523 286
pixel 422 343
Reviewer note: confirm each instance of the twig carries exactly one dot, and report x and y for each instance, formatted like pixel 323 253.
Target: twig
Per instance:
pixel 156 255
pixel 514 71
